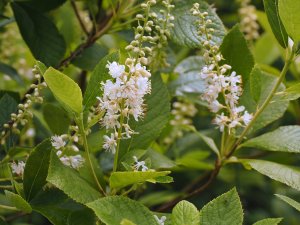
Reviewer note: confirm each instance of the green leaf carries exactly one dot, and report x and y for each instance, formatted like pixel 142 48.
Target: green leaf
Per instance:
pixel 275 171
pixel 10 71
pixel 36 169
pixel 127 222
pixel 8 105
pixel 195 160
pixel 112 210
pixel 269 221
pixel 271 8
pixel 100 74
pixel 289 14
pixel 188 80
pixel 255 83
pixel 237 54
pixel 40 34
pixel 158 160
pixel 18 202
pixel 185 213
pixel 291 93
pixel 44 5
pixel 123 179
pixel 185 31
pixel 90 57
pixel 284 139
pixel 69 181
pixel 59 209
pixel 289 201
pixel 210 143
pixel 65 90
pixel 225 209
pixel 56 118
pixel 273 111
pixel 156 117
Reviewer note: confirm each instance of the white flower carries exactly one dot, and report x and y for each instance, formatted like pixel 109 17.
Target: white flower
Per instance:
pixel 221 121
pixel 247 117
pixel 18 168
pixel 57 142
pixel 110 143
pixel 139 164
pixel 115 69
pixel 75 161
pixel 161 221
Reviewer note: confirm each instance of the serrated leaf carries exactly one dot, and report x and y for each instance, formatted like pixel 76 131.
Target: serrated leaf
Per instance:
pixel 269 221
pixel 284 139
pixel 188 80
pixel 40 34
pixel 112 210
pixel 99 74
pixel 237 54
pixel 18 202
pixel 66 91
pixel 289 14
pixel 185 213
pixel 36 169
pixel 59 209
pixel 271 8
pixel 156 117
pixel 275 171
pixel 289 201
pixel 225 209
pixel 56 118
pixel 185 31
pixel 123 179
pixel 74 186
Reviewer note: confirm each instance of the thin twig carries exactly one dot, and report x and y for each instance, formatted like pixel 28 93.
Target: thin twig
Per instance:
pixel 73 4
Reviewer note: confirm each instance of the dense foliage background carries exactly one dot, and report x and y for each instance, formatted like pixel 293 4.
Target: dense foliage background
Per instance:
pixel 73 37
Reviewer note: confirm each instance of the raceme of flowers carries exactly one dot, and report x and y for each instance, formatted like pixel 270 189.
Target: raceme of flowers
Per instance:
pixel 123 96
pixel 223 88
pixel 182 113
pixel 249 22
pixel 67 154
pixel 154 30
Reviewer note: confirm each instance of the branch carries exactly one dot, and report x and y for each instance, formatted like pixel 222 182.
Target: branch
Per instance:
pixel 79 18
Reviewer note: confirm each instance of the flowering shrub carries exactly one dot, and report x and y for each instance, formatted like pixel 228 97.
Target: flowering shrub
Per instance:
pixel 143 112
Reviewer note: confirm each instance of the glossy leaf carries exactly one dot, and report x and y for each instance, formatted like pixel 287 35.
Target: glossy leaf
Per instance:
pixel 65 90
pixel 271 8
pixel 123 179
pixel 269 221
pixel 8 105
pixel 284 139
pixel 74 186
pixel 40 34
pixel 275 171
pixel 289 201
pixel 36 169
pixel 289 14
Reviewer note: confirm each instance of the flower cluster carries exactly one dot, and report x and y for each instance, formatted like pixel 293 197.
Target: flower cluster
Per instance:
pixel 223 87
pixel 66 152
pixel 24 113
pixel 123 96
pixel 139 164
pixel 154 30
pixel 18 168
pixel 183 112
pixel 249 22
